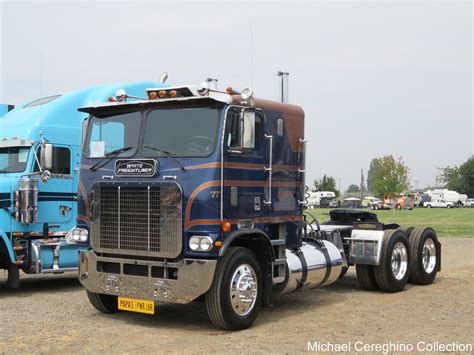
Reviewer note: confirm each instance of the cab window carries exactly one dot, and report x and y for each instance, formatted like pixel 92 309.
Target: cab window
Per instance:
pixel 61 161
pixel 234 132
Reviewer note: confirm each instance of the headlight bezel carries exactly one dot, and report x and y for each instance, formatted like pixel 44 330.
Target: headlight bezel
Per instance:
pixel 200 243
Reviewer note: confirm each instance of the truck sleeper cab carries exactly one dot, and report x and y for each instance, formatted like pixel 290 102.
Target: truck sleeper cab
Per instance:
pixel 196 192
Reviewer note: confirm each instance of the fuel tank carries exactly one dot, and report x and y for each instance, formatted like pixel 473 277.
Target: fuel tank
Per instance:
pixel 314 264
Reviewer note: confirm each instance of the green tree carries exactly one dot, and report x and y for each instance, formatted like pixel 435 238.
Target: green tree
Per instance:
pixel 373 168
pixel 460 179
pixel 327 183
pixel 353 188
pixel 391 177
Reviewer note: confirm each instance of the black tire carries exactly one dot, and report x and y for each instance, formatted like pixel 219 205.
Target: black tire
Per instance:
pixel 449 206
pixel 399 207
pixel 418 237
pixel 103 303
pixel 218 298
pixel 366 277
pixel 429 206
pixel 384 275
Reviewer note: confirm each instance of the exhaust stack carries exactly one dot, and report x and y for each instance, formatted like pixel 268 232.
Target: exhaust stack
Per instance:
pixel 284 95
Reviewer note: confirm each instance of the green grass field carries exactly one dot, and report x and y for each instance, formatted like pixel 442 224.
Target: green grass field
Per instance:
pixel 455 222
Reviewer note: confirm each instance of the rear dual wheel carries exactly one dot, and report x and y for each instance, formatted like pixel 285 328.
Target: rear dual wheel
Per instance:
pixel 424 253
pixel 393 271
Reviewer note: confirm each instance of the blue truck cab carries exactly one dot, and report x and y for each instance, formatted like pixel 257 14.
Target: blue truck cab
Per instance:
pixel 40 155
pixel 199 194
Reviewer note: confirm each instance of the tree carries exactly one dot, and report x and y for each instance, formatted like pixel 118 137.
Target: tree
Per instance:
pixel 460 179
pixel 327 183
pixel 374 166
pixel 353 188
pixel 391 177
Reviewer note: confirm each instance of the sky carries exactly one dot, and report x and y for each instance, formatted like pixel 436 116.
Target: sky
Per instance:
pixel 374 77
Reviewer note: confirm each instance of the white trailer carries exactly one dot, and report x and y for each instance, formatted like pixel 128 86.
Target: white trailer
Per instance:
pixel 315 197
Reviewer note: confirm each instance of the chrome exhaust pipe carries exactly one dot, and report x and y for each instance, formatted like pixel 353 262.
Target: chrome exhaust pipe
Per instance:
pixel 163 77
pixel 284 94
pixel 314 264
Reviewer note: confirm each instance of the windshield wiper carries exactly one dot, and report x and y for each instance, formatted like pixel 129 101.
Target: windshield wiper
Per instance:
pixel 168 154
pixel 109 155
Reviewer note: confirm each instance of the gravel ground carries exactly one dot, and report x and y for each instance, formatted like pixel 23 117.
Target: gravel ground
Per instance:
pixel 52 314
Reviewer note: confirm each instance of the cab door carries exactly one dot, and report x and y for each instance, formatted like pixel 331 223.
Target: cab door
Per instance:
pixel 244 168
pixel 57 196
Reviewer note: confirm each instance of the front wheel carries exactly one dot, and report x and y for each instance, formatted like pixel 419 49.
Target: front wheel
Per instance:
pixel 234 299
pixel 103 303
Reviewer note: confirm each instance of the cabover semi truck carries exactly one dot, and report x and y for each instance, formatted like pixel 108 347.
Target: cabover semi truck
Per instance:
pixel 195 194
pixel 40 152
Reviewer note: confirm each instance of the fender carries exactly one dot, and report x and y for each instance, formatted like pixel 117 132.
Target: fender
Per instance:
pixel 8 245
pixel 242 233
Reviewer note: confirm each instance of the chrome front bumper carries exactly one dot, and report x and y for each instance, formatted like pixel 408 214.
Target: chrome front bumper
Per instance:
pixel 194 278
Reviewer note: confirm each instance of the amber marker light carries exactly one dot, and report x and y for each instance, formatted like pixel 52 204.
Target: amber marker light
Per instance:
pixel 218 243
pixel 229 90
pixel 153 95
pixel 226 226
pixel 111 99
pixel 173 93
pixel 15 137
pixel 4 138
pixel 162 93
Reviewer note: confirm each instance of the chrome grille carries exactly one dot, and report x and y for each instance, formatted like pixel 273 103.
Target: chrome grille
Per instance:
pixel 137 220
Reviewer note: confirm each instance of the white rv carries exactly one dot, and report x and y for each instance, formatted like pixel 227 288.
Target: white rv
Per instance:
pixel 447 195
pixel 315 197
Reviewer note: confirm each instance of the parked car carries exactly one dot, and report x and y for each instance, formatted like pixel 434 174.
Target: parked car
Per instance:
pixel 469 202
pixel 440 204
pixel 369 200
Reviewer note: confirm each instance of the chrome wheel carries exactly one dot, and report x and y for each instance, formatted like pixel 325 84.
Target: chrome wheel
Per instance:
pixel 243 290
pixel 428 256
pixel 399 261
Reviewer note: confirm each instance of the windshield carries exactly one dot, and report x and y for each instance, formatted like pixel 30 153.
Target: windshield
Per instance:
pixel 181 132
pixel 109 134
pixel 13 159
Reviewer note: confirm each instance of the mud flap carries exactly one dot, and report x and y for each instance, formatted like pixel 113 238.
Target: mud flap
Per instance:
pixel 13 280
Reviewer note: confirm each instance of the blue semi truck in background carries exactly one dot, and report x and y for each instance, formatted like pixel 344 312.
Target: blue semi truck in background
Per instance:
pixel 40 154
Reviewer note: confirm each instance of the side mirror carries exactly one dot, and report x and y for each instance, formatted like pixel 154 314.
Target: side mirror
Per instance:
pixel 248 129
pixel 84 130
pixel 46 158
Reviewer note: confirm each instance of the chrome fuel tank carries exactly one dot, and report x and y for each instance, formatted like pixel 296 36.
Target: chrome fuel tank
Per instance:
pixel 312 265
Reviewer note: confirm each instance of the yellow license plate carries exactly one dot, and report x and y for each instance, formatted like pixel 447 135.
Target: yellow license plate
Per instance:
pixel 133 305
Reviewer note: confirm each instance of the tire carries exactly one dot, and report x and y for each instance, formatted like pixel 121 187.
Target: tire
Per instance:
pixel 399 207
pixel 103 303
pixel 449 206
pixel 376 207
pixel 366 277
pixel 429 206
pixel 424 256
pixel 222 312
pixel 396 247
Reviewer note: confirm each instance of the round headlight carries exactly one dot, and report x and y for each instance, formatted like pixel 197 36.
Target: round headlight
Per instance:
pixel 194 243
pixel 83 235
pixel 206 244
pixel 76 235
